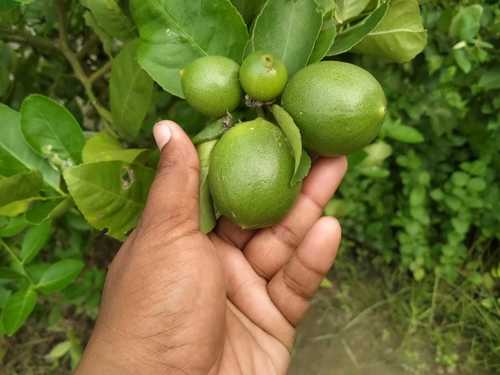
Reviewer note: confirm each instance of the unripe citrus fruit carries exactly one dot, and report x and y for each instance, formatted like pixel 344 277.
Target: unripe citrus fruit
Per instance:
pixel 263 76
pixel 339 107
pixel 211 85
pixel 250 171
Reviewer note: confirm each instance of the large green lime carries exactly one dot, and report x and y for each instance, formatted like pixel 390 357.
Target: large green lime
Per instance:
pixel 249 176
pixel 211 85
pixel 339 107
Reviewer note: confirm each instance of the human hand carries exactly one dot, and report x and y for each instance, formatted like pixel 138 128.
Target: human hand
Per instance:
pixel 177 301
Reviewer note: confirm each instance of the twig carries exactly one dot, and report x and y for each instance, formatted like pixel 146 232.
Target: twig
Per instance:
pixel 100 72
pixel 75 63
pixel 22 37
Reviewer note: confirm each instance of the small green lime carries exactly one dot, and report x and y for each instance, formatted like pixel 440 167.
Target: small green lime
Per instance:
pixel 263 76
pixel 211 85
pixel 250 171
pixel 339 107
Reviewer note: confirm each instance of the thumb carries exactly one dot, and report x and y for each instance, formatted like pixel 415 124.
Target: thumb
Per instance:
pixel 173 198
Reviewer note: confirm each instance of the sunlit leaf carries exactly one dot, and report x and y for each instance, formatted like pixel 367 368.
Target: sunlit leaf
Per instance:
pixel 174 33
pixel 130 90
pixel 288 30
pixel 111 194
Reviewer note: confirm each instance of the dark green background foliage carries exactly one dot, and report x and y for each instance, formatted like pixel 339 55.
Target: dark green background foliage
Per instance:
pixel 421 205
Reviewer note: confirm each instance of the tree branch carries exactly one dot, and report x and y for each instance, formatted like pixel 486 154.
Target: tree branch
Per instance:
pixel 22 37
pixel 100 72
pixel 75 63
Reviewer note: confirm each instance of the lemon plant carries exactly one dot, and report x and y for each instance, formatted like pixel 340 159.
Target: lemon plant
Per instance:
pixel 83 81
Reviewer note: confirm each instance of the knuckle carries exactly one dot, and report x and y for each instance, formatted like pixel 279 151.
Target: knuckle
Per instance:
pixel 287 235
pixel 296 286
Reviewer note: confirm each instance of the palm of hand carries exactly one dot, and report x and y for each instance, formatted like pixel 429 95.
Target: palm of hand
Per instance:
pixel 179 302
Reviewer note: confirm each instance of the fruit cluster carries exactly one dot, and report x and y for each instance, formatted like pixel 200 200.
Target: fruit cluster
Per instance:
pixel 330 108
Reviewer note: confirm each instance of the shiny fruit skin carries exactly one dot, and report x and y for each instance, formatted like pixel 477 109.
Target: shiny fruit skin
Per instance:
pixel 211 85
pixel 249 177
pixel 339 107
pixel 263 76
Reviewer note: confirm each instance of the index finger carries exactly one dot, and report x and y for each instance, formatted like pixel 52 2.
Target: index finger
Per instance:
pixel 271 248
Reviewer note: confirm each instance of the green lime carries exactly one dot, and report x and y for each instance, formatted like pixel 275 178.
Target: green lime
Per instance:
pixel 339 107
pixel 250 171
pixel 211 85
pixel 263 76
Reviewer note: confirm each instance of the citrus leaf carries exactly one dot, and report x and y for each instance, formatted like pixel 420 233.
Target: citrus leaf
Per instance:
pixel 59 350
pixel 325 39
pixel 466 23
pixel 51 130
pixel 16 208
pixel 103 147
pixel 15 154
pixel 248 8
pixel 17 309
pixel 174 33
pixel 401 133
pixel 105 39
pixel 110 194
pixel 292 133
pixel 376 153
pixel 207 216
pixel 355 34
pixel 212 131
pixel 20 186
pixel 130 90
pixel 35 240
pixel 348 9
pixel 59 275
pixel 287 29
pixel 110 18
pixel 12 226
pixel 399 37
pixel 303 170
pixel 48 209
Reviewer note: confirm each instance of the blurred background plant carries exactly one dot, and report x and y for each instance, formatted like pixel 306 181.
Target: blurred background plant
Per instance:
pixel 420 207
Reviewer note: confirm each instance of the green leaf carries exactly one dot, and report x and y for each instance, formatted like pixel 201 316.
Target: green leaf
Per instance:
pixel 13 226
pixel 9 274
pixel 399 37
pixel 103 147
pixel 131 91
pixel 401 133
pixel 17 309
pixel 303 170
pixel 212 131
pixel 376 154
pixel 325 39
pixel 490 80
pixel 248 8
pixel 110 18
pixel 59 275
pixel 105 38
pixel 20 186
pixel 35 240
pixel 466 23
pixel 59 350
pixel 207 215
pixel 51 130
pixel 348 9
pixel 355 34
pixel 111 194
pixel 289 30
pixel 48 209
pixel 174 33
pixel 16 208
pixel 292 133
pixel 15 155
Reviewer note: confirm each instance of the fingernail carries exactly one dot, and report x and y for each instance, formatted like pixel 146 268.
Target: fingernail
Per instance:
pixel 162 134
